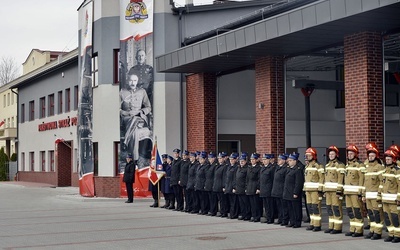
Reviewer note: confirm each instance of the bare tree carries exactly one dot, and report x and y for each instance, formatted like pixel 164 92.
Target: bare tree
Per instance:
pixel 8 70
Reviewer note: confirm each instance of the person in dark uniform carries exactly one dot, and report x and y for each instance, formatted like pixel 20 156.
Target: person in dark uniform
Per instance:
pixel 277 190
pixel 175 175
pixel 228 189
pixel 267 171
pixel 191 201
pixel 183 176
pixel 212 197
pixel 252 185
pixel 218 185
pixel 292 191
pixel 164 158
pixel 129 177
pixel 239 188
pixel 145 73
pixel 168 191
pixel 200 182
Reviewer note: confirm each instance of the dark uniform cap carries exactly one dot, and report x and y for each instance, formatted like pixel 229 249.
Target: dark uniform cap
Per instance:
pixel 233 156
pixel 176 150
pixel 254 156
pixel 267 156
pixel 293 157
pixel 193 154
pixel 212 155
pixel 203 155
pixel 283 157
pixel 185 152
pixel 129 156
pixel 164 156
pixel 198 152
pixel 243 158
pixel 272 156
pixel 170 158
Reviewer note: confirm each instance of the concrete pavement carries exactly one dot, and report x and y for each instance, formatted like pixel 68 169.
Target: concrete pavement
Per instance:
pixel 38 216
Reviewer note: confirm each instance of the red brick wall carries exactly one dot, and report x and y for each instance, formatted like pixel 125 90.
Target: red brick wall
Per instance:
pixel 270 120
pixel 363 90
pixel 107 186
pixel 201 112
pixel 64 164
pixel 39 177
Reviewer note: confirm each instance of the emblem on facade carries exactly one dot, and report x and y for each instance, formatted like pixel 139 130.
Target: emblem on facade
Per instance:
pixel 136 11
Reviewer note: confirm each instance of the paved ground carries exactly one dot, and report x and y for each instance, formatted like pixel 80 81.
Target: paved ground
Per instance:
pixel 38 216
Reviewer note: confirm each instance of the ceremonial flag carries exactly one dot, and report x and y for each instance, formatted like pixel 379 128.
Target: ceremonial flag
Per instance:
pixel 155 171
pixel 1 123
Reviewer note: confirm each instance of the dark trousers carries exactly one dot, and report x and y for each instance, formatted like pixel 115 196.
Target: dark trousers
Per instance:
pixel 268 205
pixel 154 193
pixel 222 203
pixel 233 206
pixel 185 197
pixel 244 205
pixel 204 202
pixel 189 199
pixel 279 209
pixel 285 211
pixel 212 197
pixel 178 192
pixel 295 212
pixel 196 201
pixel 255 206
pixel 129 190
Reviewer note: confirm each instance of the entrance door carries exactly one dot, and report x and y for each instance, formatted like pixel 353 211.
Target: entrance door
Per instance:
pixel 64 163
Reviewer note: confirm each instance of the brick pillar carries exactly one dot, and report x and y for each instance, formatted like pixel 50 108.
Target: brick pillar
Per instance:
pixel 364 90
pixel 270 119
pixel 201 112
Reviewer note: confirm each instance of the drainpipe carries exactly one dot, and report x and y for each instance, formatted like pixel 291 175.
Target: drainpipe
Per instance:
pixel 180 35
pixel 17 123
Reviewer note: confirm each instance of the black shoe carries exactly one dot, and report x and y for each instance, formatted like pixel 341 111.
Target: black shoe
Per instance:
pixel 396 240
pixel 164 206
pixel 171 207
pixel 328 231
pixel 240 217
pixel 290 225
pixel 194 212
pixel 376 237
pixel 369 235
pixel 128 201
pixel 224 215
pixel 336 232
pixel 256 220
pixel 213 215
pixel 247 219
pixel 309 228
pixel 296 226
pixel 155 204
pixel 348 234
pixel 388 239
pixel 278 223
pixel 316 229
pixel 307 220
pixel 367 227
pixel 357 235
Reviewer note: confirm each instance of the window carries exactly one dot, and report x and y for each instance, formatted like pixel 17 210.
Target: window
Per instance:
pixel 22 112
pixel 31 110
pixel 42 107
pixel 116 66
pixel 12 122
pixel 76 97
pixel 67 100
pixel 22 161
pixel 60 102
pixel 32 161
pixel 4 101
pixel 51 160
pixel 51 104
pixel 8 123
pixel 12 98
pixel 43 160
pixel 95 71
pixel 8 99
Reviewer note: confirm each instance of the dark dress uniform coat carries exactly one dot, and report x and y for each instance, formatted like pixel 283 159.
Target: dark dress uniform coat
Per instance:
pixel 176 171
pixel 252 179
pixel 219 177
pixel 294 182
pixel 279 181
pixel 200 181
pixel 210 176
pixel 230 178
pixel 184 172
pixel 192 175
pixel 266 180
pixel 240 181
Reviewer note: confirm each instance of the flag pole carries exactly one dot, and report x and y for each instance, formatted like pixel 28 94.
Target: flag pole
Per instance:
pixel 158 193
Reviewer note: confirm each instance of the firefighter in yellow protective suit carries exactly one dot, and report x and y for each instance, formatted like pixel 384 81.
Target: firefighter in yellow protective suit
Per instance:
pixel 353 186
pixel 333 188
pixel 372 179
pixel 313 186
pixel 396 150
pixel 389 191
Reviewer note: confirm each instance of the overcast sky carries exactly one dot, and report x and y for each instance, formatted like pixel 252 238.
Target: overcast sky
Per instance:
pixel 39 24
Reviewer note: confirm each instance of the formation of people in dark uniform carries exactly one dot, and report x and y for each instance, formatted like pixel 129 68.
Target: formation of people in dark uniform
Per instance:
pixel 260 188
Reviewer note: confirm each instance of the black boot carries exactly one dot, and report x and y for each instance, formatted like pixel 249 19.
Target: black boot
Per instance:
pixel 155 204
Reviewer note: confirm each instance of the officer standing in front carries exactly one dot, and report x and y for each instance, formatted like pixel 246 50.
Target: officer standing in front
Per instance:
pixel 175 176
pixel 129 177
pixel 252 185
pixel 277 190
pixel 267 172
pixel 228 188
pixel 183 177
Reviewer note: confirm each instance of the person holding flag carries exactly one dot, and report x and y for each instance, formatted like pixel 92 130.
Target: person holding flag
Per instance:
pixel 155 173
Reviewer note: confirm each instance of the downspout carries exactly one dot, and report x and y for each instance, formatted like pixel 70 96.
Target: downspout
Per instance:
pixel 17 123
pixel 180 35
